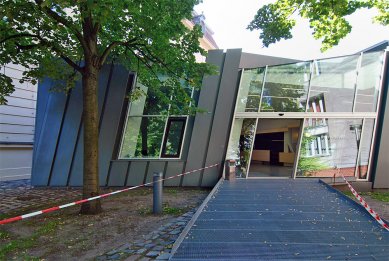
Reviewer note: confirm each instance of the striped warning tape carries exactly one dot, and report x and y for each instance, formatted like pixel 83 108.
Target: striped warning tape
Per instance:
pixel 36 213
pixel 366 206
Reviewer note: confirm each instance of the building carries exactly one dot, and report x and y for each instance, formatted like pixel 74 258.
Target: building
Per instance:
pixel 275 117
pixel 17 124
pixel 17 117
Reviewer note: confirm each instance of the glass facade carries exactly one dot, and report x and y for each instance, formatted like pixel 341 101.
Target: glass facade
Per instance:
pixel 337 99
pixel 152 129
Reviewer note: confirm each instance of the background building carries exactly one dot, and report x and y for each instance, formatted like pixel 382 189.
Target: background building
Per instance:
pixel 17 125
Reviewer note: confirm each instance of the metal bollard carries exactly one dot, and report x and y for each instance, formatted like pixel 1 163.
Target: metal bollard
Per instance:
pixel 157 193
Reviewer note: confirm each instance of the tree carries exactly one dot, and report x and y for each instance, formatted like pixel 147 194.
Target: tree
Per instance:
pixel 327 18
pixel 70 40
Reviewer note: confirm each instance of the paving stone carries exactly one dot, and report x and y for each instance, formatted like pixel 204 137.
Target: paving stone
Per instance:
pixel 133 258
pixel 164 256
pixel 141 251
pixel 125 246
pixel 175 232
pixel 114 257
pixel 144 259
pixel 129 251
pixel 150 245
pixel 153 253
pixel 114 251
pixel 158 248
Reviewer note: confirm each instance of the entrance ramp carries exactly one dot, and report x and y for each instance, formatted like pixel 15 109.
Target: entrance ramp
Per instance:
pixel 272 219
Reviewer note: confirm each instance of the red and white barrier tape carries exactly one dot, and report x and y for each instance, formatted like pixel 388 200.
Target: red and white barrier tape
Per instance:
pixel 9 220
pixel 366 206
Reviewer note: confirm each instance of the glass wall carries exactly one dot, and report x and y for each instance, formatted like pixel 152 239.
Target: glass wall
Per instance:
pixel 151 131
pixel 364 144
pixel 286 88
pixel 330 148
pixel 343 87
pixel 342 84
pixel 250 90
pixel 240 145
pixel 368 82
pixel 333 84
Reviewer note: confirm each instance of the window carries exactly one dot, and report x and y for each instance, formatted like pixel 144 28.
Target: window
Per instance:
pixel 173 138
pixel 151 132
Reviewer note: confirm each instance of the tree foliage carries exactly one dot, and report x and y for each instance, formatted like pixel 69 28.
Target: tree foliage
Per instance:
pixel 327 18
pixel 145 35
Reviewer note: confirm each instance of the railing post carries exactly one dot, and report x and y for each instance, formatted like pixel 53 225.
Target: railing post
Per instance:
pixel 157 193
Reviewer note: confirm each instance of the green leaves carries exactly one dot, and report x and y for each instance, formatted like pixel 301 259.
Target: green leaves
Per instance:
pixel 327 18
pixel 146 36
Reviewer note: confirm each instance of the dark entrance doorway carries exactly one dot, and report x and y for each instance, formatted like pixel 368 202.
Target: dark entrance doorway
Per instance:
pixel 275 148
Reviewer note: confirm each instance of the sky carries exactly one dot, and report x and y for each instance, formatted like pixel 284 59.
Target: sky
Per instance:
pixel 229 19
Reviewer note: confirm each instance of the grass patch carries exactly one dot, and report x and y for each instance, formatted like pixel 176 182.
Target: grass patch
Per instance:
pixel 380 196
pixel 166 210
pixel 25 243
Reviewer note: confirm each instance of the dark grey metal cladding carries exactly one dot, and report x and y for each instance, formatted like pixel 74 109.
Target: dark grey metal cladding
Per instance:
pixel 110 121
pixel 75 177
pixel 50 126
pixel 173 168
pixel 68 139
pixel 381 179
pixel 203 121
pixel 224 111
pixel 136 173
pixel 118 173
pixel 154 166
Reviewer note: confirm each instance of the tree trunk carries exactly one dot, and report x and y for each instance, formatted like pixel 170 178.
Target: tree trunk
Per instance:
pixel 91 138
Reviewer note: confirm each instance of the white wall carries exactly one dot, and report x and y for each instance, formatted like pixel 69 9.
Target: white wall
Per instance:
pixel 17 126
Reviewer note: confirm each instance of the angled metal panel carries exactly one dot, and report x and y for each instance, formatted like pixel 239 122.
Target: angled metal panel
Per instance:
pixel 116 93
pixel 67 141
pixel 154 166
pixel 118 172
pixel 203 121
pixel 173 168
pixel 222 120
pixel 48 135
pixel 136 173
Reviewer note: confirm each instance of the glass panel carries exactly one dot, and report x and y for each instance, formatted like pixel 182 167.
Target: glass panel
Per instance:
pixel 173 140
pixel 286 88
pixel 152 101
pixel 333 84
pixel 241 141
pixel 364 146
pixel 250 90
pixel 368 82
pixel 329 146
pixel 142 137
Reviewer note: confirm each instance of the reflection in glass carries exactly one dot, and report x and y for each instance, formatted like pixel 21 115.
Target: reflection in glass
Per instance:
pixel 142 137
pixel 368 82
pixel 250 90
pixel 173 140
pixel 333 84
pixel 330 148
pixel 364 146
pixel 241 141
pixel 152 101
pixel 286 88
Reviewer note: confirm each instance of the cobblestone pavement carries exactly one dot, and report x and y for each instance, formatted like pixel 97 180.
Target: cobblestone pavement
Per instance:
pixel 20 195
pixel 157 245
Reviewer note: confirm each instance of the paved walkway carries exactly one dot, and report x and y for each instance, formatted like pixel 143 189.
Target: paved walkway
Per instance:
pixel 267 219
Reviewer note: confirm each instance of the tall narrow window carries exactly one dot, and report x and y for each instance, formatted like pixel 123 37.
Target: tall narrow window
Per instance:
pixel 173 138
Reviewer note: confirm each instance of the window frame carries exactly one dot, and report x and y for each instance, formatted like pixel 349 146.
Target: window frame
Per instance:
pixel 169 122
